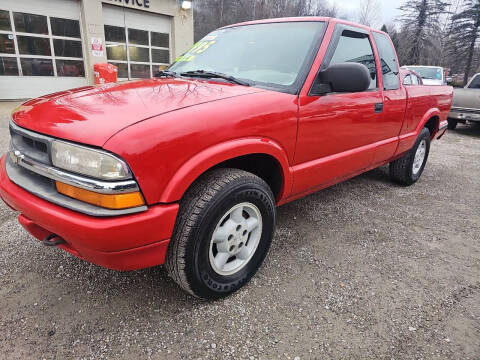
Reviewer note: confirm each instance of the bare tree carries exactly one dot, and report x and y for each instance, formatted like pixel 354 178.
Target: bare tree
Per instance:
pixel 466 33
pixel 420 28
pixel 447 47
pixel 212 14
pixel 392 32
pixel 369 12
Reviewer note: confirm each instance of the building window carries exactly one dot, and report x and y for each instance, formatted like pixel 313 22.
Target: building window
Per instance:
pixel 29 45
pixel 30 23
pixel 8 66
pixel 37 67
pixel 138 37
pixel 137 53
pixel 115 34
pixel 65 27
pixel 70 68
pixel 38 45
pixel 5 21
pixel 7 46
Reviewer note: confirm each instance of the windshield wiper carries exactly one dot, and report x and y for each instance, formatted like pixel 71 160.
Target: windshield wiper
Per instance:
pixel 166 73
pixel 214 74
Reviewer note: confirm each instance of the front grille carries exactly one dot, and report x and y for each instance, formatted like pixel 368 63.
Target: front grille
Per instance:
pixel 29 166
pixel 33 145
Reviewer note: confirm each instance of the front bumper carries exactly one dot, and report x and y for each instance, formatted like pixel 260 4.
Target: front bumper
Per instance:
pixel 464 114
pixel 125 242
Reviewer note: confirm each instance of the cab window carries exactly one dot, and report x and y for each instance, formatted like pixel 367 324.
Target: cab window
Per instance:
pixel 407 80
pixel 388 61
pixel 356 47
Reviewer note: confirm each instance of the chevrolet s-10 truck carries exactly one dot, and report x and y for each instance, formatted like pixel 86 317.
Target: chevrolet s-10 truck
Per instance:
pixel 187 169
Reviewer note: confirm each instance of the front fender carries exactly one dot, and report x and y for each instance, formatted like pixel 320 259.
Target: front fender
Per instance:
pixel 219 153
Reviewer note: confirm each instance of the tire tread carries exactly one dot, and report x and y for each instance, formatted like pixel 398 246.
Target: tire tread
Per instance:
pixel 400 169
pixel 192 205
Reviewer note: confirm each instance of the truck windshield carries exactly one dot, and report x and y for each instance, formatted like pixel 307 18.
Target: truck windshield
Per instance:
pixel 274 55
pixel 430 73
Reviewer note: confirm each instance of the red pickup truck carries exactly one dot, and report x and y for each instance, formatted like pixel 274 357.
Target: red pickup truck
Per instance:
pixel 187 168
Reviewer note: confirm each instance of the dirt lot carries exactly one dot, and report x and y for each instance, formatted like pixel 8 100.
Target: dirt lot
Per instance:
pixel 363 270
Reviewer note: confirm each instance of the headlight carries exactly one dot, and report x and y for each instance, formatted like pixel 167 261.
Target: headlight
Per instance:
pixel 89 162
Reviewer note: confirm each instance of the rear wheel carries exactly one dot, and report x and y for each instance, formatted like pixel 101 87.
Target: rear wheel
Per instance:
pixel 223 233
pixel 452 124
pixel 408 169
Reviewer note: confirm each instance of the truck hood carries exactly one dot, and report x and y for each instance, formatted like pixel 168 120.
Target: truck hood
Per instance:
pixel 91 115
pixel 466 98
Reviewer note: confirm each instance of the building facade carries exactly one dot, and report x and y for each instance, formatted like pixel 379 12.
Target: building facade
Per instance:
pixel 52 45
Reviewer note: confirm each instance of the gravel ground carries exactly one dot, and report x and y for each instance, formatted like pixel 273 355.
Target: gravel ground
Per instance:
pixel 363 270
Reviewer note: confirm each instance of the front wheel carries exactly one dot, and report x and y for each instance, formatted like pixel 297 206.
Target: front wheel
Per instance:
pixel 223 233
pixel 408 169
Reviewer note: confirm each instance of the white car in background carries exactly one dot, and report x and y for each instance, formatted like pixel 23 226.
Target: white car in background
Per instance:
pixel 431 75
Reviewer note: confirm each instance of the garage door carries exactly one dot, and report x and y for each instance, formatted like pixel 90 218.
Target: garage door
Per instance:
pixel 136 41
pixel 41 48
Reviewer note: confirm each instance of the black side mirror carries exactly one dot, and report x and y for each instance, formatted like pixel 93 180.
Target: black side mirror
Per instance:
pixel 342 77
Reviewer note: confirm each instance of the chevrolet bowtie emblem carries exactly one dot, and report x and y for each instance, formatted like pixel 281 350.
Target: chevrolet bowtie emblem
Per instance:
pixel 15 156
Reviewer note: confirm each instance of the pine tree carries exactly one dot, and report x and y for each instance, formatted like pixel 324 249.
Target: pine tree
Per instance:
pixel 466 33
pixel 392 33
pixel 420 22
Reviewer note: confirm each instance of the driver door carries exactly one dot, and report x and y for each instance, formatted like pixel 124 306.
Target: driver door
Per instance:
pixel 336 130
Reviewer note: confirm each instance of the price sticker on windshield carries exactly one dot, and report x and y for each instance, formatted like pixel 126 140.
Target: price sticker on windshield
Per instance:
pixel 209 37
pixel 199 48
pixel 185 58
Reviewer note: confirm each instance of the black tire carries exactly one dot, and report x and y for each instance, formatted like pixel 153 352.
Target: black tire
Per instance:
pixel 401 170
pixel 452 124
pixel 201 209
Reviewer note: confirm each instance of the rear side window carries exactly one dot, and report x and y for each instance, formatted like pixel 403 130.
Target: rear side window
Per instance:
pixel 356 47
pixel 388 61
pixel 407 80
pixel 415 80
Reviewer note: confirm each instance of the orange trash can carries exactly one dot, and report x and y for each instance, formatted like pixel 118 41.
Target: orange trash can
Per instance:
pixel 105 73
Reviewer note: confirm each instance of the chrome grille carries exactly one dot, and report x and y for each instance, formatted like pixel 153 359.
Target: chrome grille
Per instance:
pixel 33 145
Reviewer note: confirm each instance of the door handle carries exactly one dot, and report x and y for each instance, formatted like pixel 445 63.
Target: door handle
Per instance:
pixel 378 107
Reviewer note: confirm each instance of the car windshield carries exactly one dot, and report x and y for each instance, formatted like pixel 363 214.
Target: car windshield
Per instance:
pixel 271 54
pixel 430 73
pixel 475 83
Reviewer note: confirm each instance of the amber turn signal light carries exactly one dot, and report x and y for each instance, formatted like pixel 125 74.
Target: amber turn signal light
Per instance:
pixel 109 201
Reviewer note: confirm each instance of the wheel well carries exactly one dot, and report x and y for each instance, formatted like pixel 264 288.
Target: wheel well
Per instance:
pixel 432 125
pixel 264 166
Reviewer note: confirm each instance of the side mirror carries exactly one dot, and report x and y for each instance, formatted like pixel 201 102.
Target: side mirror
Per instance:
pixel 342 77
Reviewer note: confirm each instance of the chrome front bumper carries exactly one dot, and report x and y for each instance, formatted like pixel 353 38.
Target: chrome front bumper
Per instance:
pixel 463 114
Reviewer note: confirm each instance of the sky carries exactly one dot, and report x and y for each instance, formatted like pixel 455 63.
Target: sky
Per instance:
pixel 388 9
